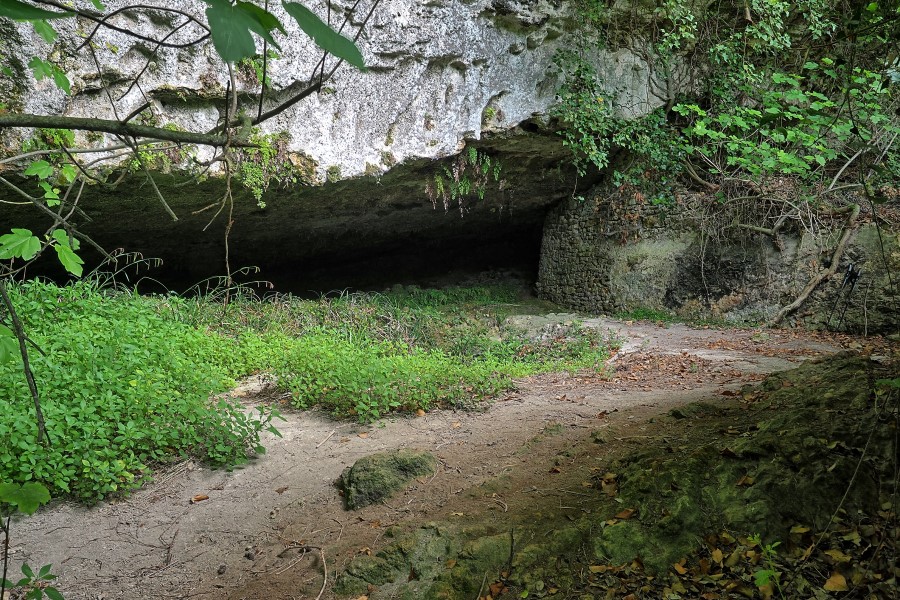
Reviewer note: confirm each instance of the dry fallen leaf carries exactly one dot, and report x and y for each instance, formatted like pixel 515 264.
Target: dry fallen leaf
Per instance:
pixel 420 413
pixel 497 588
pixel 281 490
pixel 456 425
pixel 836 583
pixel 838 556
pixel 626 514
pixel 199 498
pixel 717 556
pixel 363 435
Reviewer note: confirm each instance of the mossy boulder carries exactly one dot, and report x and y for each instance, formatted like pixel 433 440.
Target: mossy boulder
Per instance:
pixel 405 569
pixel 377 476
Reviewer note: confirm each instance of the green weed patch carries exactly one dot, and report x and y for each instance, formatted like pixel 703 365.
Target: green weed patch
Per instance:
pixel 122 387
pixel 127 381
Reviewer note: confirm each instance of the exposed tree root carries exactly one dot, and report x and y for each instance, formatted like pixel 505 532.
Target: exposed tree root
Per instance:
pixel 825 274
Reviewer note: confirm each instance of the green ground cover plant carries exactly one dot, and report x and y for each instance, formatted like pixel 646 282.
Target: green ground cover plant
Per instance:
pixel 129 382
pixel 123 388
pixel 367 354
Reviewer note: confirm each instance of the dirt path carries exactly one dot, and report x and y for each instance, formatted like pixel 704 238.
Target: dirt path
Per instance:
pixel 242 542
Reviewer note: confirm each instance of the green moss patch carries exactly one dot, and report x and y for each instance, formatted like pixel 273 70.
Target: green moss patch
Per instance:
pixel 376 477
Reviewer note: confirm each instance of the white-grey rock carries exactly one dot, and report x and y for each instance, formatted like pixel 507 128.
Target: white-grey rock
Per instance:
pixel 434 69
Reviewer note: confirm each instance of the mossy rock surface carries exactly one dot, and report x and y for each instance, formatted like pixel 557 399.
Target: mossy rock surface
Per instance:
pixel 375 477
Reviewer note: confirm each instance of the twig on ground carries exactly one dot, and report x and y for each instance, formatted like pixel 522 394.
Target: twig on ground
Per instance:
pixel 328 437
pixel 481 589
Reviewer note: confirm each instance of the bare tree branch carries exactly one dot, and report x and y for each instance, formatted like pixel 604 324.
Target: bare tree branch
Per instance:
pixel 117 128
pixel 826 273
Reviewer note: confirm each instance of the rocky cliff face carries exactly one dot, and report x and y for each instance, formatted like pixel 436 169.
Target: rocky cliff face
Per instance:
pixel 442 76
pixel 440 73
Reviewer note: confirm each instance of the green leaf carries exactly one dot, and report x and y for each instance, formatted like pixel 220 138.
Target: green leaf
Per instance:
pixel 41 168
pixel 27 497
pixel 62 82
pixel 261 22
pixel 45 30
pixel 42 69
pixel 230 29
pixel 68 172
pixel 9 346
pixel 62 238
pixel 70 261
pixel 45 570
pixel 98 5
pixel 53 593
pixel 26 570
pixel 51 194
pixel 19 11
pixel 324 36
pixel 21 243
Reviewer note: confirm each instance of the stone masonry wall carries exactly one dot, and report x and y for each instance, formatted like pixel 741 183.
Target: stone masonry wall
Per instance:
pixel 611 254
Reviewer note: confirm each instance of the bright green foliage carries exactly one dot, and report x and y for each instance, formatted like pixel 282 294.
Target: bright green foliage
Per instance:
pixel 585 109
pixel 19 11
pixel 267 163
pixel 126 380
pixel 65 250
pixel 56 170
pixel 368 379
pixel 232 27
pixel 770 575
pixel 42 69
pixel 367 355
pixel 25 498
pixel 594 131
pixel 19 243
pixel 9 346
pixel 122 388
pixel 34 586
pixel 806 89
pixel 791 127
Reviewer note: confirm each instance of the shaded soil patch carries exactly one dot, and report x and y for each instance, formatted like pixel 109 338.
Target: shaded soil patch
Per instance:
pixel 806 461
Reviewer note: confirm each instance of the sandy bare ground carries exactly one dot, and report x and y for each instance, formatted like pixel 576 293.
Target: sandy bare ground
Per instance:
pixel 247 539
